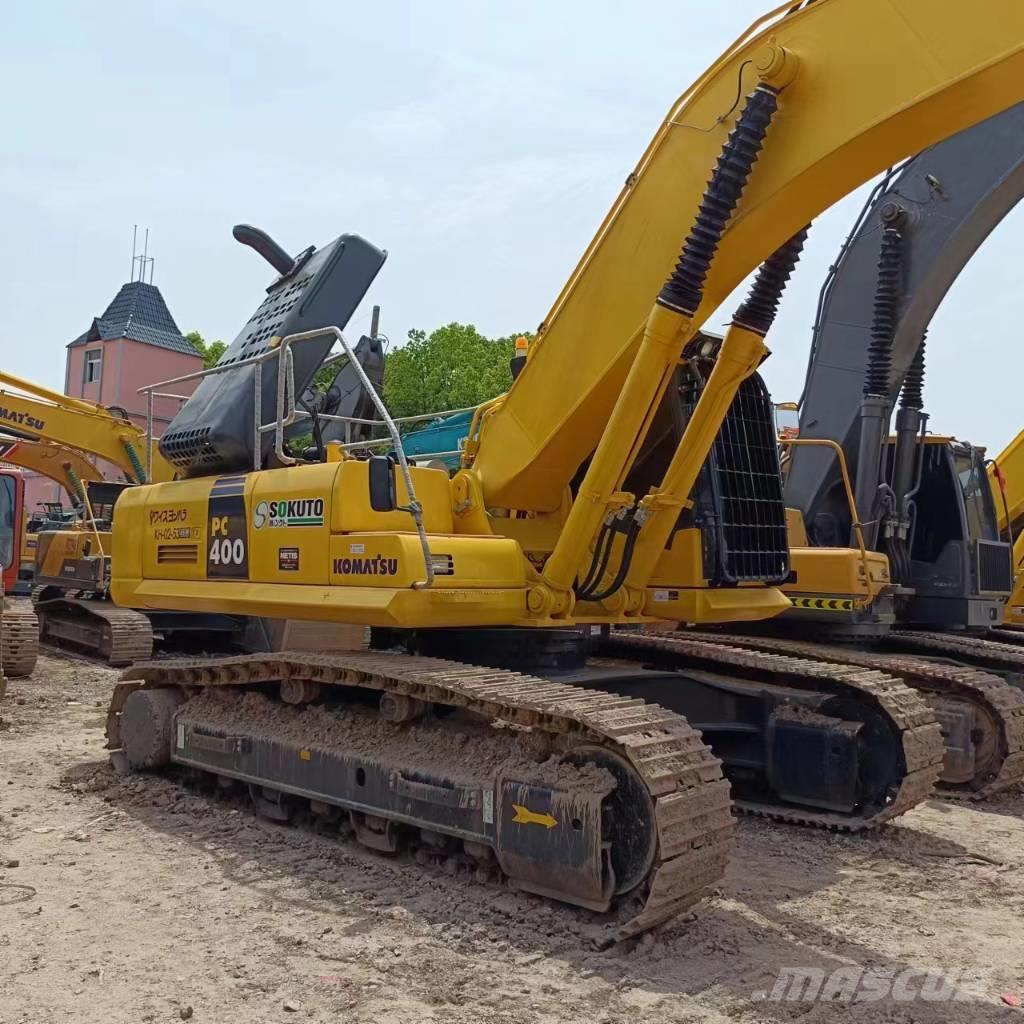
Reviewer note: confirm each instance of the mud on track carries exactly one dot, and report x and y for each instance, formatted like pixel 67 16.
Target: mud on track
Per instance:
pixel 134 900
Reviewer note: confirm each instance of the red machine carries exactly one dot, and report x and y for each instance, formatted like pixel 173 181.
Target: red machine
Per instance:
pixel 12 524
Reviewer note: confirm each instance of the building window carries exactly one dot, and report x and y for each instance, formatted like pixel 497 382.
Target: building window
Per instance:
pixel 93 365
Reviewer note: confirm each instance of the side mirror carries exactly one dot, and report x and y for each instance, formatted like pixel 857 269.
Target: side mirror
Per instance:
pixel 382 484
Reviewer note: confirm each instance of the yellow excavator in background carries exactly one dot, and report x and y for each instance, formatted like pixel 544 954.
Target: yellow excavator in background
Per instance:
pixel 571 513
pixel 72 565
pixel 33 412
pixel 19 628
pixel 1006 478
pixel 67 467
pixel 55 434
pixel 898 563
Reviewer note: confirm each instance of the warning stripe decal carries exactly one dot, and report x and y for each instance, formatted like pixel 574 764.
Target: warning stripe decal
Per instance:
pixel 824 604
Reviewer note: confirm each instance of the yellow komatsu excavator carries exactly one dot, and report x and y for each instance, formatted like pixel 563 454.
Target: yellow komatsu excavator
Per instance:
pixel 65 466
pixel 475 731
pixel 19 629
pixel 72 565
pixel 1006 478
pixel 33 412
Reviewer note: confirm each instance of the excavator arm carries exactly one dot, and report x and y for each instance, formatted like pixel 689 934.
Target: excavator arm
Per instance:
pixel 947 200
pixel 37 413
pixel 66 466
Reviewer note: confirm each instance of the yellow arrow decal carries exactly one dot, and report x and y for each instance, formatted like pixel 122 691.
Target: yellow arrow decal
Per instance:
pixel 524 816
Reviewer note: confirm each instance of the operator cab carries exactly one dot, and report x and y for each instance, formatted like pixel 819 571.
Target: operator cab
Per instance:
pixel 960 571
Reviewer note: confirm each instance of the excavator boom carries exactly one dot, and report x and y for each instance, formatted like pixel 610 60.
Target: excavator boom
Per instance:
pixel 65 466
pixel 954 194
pixel 30 411
pixel 915 75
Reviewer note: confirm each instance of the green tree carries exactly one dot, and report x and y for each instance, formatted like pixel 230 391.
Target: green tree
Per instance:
pixel 210 351
pixel 450 368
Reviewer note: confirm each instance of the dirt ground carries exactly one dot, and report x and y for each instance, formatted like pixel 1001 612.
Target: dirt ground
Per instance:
pixel 138 900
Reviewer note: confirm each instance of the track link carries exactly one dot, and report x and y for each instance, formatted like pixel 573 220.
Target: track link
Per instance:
pixel 19 633
pixel 690 798
pixel 978 650
pixel 92 626
pixel 1007 634
pixel 919 733
pixel 1003 703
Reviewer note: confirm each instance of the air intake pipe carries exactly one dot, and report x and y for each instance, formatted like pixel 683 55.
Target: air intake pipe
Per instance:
pixel 259 240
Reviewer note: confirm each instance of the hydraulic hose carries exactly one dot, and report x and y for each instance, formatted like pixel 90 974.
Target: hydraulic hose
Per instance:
pixel 684 289
pixel 133 457
pixel 77 490
pixel 912 394
pixel 677 302
pixel 599 563
pixel 757 312
pixel 884 315
pixel 624 564
pixel 876 408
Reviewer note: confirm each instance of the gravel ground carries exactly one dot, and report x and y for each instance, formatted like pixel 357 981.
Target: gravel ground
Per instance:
pixel 135 899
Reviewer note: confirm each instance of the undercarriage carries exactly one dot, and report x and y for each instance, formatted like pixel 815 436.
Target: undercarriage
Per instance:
pixel 591 798
pixel 971 684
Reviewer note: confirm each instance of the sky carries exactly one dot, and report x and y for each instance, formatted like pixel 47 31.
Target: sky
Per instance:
pixel 479 143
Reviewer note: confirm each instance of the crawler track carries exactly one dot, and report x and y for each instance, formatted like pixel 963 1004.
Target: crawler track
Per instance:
pixel 19 634
pixel 94 627
pixel 1007 634
pixel 974 650
pixel 692 817
pixel 1000 703
pixel 918 732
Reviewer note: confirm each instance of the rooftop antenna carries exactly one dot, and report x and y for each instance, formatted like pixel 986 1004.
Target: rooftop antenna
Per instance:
pixel 144 260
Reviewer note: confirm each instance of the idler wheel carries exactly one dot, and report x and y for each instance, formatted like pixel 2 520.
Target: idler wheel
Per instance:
pixel 147 727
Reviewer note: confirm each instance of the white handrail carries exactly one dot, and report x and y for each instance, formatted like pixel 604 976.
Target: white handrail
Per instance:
pixel 286 414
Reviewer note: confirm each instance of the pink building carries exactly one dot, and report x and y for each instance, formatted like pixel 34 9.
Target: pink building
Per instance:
pixel 134 343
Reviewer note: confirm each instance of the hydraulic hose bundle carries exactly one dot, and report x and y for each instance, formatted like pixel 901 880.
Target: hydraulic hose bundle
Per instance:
pixel 684 289
pixel 683 292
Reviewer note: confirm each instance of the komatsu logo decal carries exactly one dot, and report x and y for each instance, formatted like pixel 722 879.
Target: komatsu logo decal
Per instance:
pixel 21 418
pixel 291 512
pixel 376 565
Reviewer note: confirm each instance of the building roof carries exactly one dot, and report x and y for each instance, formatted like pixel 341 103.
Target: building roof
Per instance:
pixel 138 312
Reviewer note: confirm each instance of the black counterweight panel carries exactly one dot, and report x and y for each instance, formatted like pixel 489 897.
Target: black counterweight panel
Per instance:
pixel 213 433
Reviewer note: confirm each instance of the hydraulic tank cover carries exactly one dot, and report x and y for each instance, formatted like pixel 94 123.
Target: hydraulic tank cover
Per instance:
pixel 213 432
